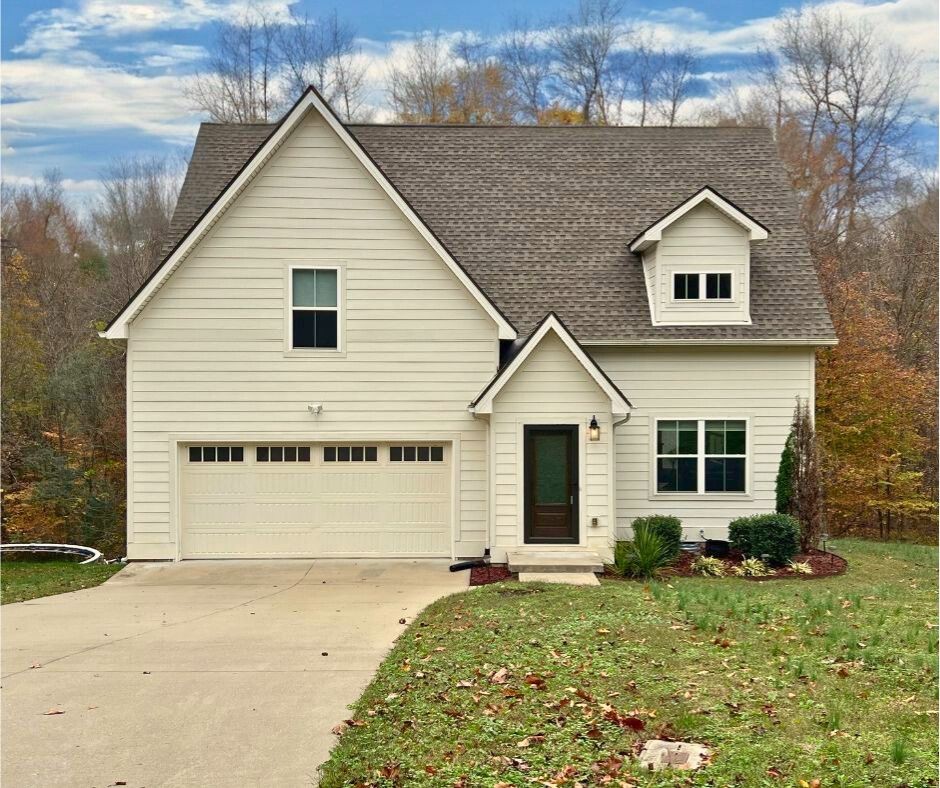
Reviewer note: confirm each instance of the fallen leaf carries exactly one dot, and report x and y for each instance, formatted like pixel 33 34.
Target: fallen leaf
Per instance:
pixel 501 676
pixel 339 729
pixel 53 711
pixel 528 741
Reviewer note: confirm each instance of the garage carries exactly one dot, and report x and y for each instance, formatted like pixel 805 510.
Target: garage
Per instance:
pixel 241 500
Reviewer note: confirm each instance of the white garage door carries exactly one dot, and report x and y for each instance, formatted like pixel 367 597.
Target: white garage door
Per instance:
pixel 339 499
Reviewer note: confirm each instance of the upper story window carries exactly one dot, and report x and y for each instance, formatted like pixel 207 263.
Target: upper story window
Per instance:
pixel 701 455
pixel 695 287
pixel 314 299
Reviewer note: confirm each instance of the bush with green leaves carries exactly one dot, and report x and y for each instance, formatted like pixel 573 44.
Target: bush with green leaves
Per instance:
pixel 709 567
pixel 801 567
pixel 752 567
pixel 667 527
pixel 785 478
pixel 643 557
pixel 776 536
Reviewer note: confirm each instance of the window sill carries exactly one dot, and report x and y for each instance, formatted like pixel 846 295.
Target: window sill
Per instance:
pixel 315 353
pixel 700 497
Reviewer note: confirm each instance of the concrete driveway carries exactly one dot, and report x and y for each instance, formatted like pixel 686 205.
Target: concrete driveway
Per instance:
pixel 209 673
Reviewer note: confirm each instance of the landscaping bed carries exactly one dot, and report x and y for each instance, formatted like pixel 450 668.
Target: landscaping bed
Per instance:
pixel 491 573
pixel 519 685
pixel 823 564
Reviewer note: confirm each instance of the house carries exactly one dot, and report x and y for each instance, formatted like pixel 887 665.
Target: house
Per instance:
pixel 407 340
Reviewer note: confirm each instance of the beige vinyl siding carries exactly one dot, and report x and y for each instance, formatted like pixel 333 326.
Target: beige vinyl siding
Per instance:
pixel 704 240
pixel 760 385
pixel 209 358
pixel 551 387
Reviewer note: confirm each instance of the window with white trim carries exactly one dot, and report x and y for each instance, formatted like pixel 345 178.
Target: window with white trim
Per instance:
pixel 701 286
pixel 315 313
pixel 701 456
pixel 350 454
pixel 282 454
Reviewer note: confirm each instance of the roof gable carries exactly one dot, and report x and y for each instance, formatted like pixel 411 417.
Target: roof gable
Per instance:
pixel 309 101
pixel 551 323
pixel 756 231
pixel 541 217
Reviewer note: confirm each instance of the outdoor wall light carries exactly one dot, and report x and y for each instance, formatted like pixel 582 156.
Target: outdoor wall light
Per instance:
pixel 595 429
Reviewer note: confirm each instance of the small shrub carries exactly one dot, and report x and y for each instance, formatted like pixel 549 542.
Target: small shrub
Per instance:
pixel 667 527
pixel 800 567
pixel 644 557
pixel 752 567
pixel 775 535
pixel 709 567
pixel 785 477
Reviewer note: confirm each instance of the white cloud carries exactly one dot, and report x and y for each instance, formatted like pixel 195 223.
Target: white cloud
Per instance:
pixel 51 94
pixel 63 29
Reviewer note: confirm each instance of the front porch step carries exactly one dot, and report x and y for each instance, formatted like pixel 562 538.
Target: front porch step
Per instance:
pixel 566 578
pixel 541 561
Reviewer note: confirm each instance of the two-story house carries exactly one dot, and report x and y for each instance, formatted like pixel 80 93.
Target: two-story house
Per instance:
pixel 412 340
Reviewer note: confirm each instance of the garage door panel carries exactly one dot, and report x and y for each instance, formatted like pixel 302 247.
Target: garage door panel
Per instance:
pixel 316 508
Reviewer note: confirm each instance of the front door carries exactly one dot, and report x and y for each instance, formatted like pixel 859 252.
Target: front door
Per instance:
pixel 551 484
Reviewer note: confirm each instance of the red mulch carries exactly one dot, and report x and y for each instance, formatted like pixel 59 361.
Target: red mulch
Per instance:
pixel 494 573
pixel 824 565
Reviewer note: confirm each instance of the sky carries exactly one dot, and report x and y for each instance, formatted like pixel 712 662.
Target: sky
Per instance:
pixel 85 81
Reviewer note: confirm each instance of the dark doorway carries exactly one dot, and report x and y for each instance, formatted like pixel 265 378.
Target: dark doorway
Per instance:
pixel 551 484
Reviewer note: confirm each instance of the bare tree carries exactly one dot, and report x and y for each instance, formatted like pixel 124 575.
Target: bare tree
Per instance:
pixel 671 79
pixel 807 498
pixel 240 85
pixel 131 222
pixel 421 87
pixel 529 68
pixel 582 48
pixel 482 88
pixel 643 74
pixel 854 91
pixel 322 52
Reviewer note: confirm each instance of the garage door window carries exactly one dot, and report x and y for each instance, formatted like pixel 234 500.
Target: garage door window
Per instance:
pixel 216 453
pixel 350 454
pixel 282 454
pixel 416 453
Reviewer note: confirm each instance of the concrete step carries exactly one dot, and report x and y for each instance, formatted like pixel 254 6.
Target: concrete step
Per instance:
pixel 554 561
pixel 567 578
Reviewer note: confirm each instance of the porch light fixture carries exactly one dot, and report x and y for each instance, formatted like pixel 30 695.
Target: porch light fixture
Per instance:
pixel 595 429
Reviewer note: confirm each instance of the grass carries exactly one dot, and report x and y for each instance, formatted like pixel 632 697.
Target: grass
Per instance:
pixel 22 580
pixel 832 680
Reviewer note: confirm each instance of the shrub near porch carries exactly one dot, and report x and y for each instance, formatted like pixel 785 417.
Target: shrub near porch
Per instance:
pixel 834 679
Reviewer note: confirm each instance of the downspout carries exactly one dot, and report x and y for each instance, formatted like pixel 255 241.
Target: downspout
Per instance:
pixel 489 482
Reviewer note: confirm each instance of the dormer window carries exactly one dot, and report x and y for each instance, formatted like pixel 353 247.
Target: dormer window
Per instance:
pixel 690 287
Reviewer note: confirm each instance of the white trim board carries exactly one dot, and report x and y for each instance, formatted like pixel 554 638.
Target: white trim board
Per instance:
pixel 484 404
pixel 310 100
pixel 654 233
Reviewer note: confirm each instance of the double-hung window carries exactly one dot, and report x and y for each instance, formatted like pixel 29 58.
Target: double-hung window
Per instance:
pixel 701 456
pixel 314 299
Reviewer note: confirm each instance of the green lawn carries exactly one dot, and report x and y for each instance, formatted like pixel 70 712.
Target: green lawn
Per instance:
pixel 22 580
pixel 832 680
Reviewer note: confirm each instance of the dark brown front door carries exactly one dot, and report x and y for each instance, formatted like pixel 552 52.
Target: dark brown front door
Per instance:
pixel 551 485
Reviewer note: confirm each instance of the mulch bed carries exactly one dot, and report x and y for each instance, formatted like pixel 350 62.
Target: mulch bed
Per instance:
pixel 824 565
pixel 494 573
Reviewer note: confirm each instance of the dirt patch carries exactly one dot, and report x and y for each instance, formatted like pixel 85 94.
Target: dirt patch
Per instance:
pixel 823 564
pixel 494 573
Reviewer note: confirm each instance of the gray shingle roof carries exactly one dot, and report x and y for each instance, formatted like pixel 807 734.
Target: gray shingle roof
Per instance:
pixel 541 217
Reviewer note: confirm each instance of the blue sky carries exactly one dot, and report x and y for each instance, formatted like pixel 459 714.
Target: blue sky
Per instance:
pixel 87 80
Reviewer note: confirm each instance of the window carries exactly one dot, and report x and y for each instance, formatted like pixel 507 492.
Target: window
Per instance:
pixel 416 453
pixel 688 287
pixel 717 286
pixel 216 453
pixel 282 454
pixel 685 286
pixel 315 308
pixel 350 454
pixel 701 455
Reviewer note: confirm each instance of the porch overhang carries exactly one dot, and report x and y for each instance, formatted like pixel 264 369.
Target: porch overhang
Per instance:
pixel 620 406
